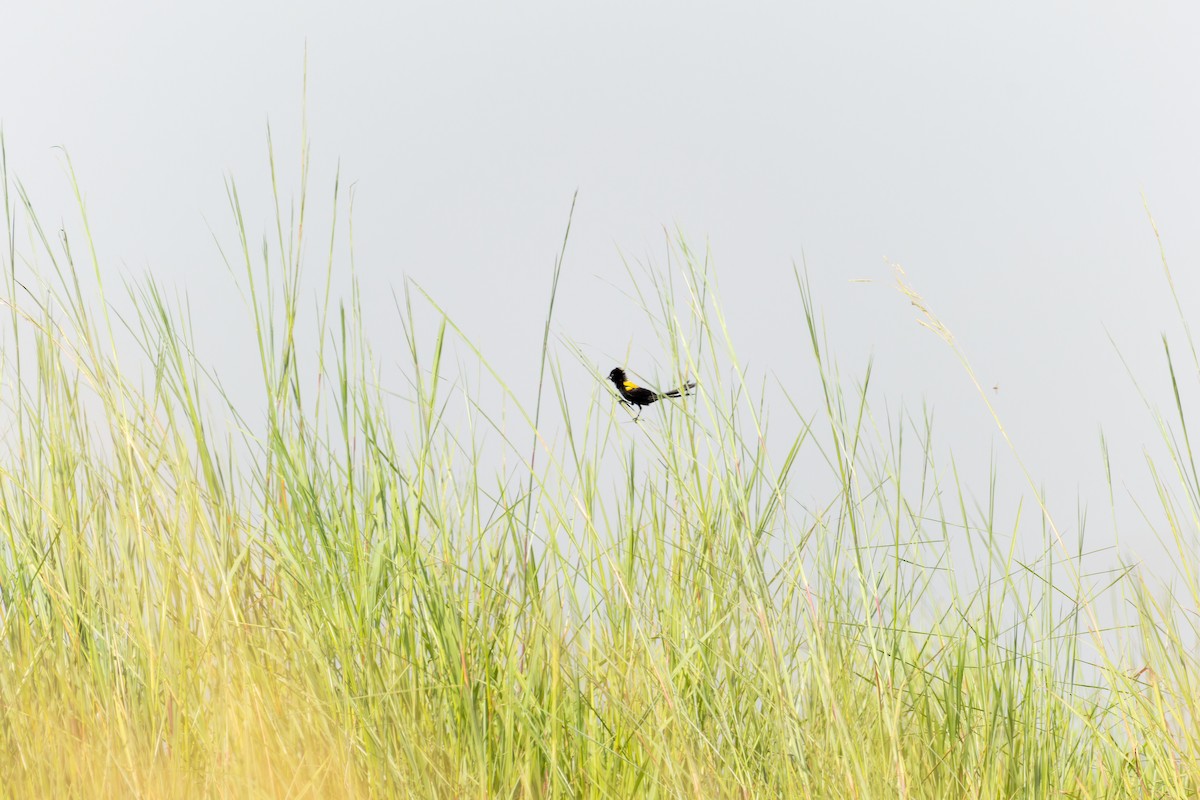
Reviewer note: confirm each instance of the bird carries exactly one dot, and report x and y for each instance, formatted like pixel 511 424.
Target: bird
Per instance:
pixel 634 395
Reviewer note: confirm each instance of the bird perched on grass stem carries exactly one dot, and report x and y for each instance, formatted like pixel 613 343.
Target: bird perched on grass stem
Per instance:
pixel 634 395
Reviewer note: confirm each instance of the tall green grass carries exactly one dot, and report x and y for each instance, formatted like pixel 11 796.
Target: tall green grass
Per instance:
pixel 480 590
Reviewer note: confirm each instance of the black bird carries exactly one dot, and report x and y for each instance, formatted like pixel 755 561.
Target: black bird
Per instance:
pixel 634 395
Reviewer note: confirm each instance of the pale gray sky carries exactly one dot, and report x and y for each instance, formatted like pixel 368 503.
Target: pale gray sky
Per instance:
pixel 998 152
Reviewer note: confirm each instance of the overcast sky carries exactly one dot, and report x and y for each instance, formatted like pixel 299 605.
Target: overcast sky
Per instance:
pixel 998 152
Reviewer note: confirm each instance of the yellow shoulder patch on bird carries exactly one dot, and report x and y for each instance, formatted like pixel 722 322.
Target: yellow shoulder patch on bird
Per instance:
pixel 630 386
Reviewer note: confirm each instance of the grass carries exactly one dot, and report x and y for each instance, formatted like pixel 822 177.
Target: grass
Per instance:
pixel 338 593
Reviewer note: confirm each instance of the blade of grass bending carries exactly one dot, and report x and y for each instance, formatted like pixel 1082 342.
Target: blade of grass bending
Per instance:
pixel 537 409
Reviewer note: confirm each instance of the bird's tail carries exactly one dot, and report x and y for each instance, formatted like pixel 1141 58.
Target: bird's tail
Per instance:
pixel 682 390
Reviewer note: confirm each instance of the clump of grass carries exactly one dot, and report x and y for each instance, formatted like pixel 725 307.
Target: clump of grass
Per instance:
pixel 334 594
